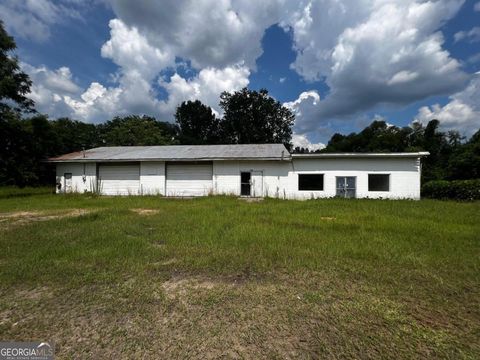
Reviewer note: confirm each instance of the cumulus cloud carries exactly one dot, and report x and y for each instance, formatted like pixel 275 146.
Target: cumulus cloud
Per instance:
pixel 462 112
pixel 132 52
pixel 368 52
pixel 472 35
pixel 206 87
pixel 303 142
pixel 392 54
pixel 210 33
pixel 54 92
pixel 32 19
pixel 50 87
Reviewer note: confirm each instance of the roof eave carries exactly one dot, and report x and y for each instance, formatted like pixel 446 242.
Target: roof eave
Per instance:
pixel 85 160
pixel 360 155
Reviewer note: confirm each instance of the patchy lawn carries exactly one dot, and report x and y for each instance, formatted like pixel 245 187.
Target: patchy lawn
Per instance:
pixel 218 277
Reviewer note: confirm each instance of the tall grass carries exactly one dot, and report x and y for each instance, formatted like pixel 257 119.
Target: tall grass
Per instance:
pixel 226 235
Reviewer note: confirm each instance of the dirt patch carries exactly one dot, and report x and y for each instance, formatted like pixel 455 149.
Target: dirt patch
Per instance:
pixel 251 199
pixel 23 217
pixel 178 287
pixel 145 212
pixel 329 218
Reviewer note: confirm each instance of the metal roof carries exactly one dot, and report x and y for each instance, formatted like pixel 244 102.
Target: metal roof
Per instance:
pixel 361 155
pixel 178 153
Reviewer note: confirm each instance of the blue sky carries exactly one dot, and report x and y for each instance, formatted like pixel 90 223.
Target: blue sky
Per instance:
pixel 337 64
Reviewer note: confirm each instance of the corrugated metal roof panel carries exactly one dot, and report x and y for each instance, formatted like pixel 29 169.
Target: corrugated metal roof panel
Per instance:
pixel 179 152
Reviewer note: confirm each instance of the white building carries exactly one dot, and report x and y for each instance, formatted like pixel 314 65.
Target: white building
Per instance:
pixel 257 170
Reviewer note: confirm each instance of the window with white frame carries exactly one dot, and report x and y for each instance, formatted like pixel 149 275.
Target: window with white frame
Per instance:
pixel 378 182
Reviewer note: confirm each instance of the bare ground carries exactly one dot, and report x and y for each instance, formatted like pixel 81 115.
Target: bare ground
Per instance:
pixel 192 316
pixel 25 217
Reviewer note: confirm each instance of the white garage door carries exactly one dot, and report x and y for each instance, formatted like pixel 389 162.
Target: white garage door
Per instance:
pixel 189 179
pixel 119 179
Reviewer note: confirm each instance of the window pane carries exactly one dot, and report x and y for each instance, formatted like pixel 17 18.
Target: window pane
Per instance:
pixel 340 182
pixel 310 182
pixel 350 193
pixel 350 183
pixel 378 182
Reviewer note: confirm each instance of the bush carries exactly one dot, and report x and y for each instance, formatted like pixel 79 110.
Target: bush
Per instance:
pixel 456 189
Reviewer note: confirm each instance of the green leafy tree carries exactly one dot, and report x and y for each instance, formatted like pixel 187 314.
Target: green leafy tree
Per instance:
pixel 464 163
pixel 197 123
pixel 133 130
pixel 74 135
pixel 377 137
pixel 255 117
pixel 14 83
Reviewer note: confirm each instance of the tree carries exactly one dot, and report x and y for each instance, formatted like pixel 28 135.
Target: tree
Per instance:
pixel 197 123
pixel 74 135
pixel 14 83
pixel 377 137
pixel 26 144
pixel 255 117
pixel 133 130
pixel 464 163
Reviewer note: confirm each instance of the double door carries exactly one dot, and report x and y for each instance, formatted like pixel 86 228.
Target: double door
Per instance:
pixel 346 186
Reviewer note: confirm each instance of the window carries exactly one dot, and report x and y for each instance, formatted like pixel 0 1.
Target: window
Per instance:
pixel 310 182
pixel 378 182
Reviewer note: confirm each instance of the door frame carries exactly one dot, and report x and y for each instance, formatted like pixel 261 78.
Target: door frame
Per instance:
pixel 251 182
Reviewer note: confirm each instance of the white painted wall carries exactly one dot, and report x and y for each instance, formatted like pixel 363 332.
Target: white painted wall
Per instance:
pixel 280 178
pixel 404 176
pixel 152 178
pixel 226 176
pixel 83 176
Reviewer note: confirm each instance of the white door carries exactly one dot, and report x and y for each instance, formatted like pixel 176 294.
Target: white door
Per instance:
pixel 189 179
pixel 68 182
pixel 257 183
pixel 119 179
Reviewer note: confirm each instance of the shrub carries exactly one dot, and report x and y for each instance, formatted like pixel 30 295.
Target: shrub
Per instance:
pixel 456 189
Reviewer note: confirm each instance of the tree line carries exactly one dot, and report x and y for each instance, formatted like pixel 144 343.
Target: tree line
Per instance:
pixel 29 138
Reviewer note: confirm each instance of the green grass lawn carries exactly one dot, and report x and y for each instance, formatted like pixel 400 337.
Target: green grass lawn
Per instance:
pixel 218 277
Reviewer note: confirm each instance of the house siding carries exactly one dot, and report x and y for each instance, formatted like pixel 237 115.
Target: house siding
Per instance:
pixel 84 176
pixel 280 178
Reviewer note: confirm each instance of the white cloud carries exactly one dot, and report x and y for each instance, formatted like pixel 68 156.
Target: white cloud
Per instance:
pixel 403 76
pixel 132 52
pixel 50 87
pixel 389 53
pixel 476 7
pixel 210 33
pixel 472 35
pixel 369 52
pixel 303 142
pixel 32 19
pixel 304 108
pixel 206 87
pixel 462 112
